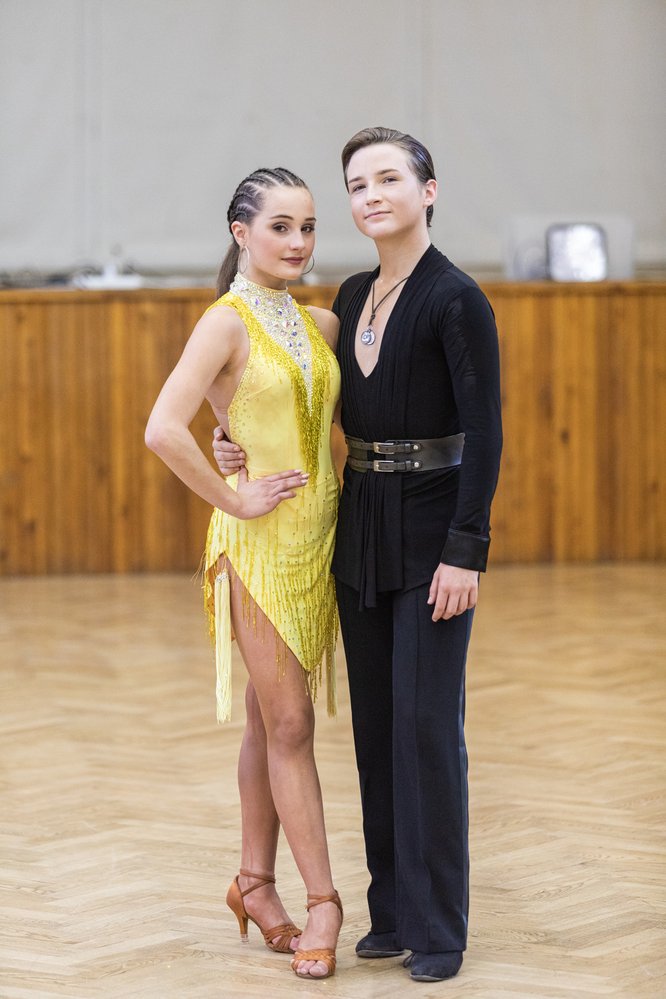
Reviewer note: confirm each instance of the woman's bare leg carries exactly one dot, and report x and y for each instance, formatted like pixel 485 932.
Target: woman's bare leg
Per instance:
pixel 260 822
pixel 288 719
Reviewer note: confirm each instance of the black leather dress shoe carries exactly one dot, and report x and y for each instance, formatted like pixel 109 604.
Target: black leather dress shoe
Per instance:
pixel 433 967
pixel 379 945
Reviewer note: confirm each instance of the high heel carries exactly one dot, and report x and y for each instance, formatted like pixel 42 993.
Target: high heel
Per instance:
pixel 324 954
pixel 284 932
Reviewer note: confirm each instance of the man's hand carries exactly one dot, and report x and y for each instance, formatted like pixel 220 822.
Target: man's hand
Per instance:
pixel 229 457
pixel 453 591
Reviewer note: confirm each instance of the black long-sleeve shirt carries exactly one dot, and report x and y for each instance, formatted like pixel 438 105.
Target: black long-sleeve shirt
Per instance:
pixel 437 374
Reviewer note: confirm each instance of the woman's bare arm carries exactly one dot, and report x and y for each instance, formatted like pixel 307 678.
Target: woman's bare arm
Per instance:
pixel 211 348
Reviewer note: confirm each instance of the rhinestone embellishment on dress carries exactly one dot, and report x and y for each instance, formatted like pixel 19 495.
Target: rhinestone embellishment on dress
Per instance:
pixel 279 315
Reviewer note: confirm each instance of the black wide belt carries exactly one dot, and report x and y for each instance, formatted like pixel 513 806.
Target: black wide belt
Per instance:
pixel 424 455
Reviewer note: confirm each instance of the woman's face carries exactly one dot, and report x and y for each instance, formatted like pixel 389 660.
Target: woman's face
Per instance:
pixel 386 196
pixel 281 237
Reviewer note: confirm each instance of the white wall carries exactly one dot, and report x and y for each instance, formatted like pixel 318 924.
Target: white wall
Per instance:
pixel 130 122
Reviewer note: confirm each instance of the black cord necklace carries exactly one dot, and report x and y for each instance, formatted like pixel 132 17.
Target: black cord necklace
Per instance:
pixel 368 335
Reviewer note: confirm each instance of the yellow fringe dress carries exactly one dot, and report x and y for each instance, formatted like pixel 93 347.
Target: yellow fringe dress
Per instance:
pixel 281 416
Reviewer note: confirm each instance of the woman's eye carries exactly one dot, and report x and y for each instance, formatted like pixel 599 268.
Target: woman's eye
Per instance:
pixel 358 187
pixel 308 228
pixel 279 227
pixel 387 179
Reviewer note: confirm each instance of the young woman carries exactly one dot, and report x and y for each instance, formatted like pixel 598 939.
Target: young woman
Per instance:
pixel 267 368
pixel 419 363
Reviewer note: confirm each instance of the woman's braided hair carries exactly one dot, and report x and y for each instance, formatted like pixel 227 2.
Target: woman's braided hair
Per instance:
pixel 247 201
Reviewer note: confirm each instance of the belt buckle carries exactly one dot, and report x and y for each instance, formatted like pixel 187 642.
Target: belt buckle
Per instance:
pixel 383 447
pixel 380 465
pixel 395 447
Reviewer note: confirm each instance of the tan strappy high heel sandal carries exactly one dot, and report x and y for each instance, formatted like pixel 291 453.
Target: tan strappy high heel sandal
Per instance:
pixel 324 954
pixel 285 931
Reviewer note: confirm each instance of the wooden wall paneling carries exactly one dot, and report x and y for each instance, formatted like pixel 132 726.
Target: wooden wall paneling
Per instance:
pixel 639 391
pixel 540 339
pixel 656 318
pixel 17 433
pixel 575 382
pixel 57 415
pixel 157 343
pixel 158 339
pixel 129 542
pixel 10 479
pixel 163 500
pixel 64 500
pixel 627 406
pixel 92 398
pixel 583 383
pixel 9 460
pixel 174 520
pixel 124 539
pixel 652 323
pixel 31 402
pixel 604 457
pixel 521 510
pixel 635 412
pixel 603 332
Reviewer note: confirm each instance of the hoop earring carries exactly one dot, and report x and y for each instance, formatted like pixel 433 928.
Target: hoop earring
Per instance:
pixel 310 268
pixel 241 270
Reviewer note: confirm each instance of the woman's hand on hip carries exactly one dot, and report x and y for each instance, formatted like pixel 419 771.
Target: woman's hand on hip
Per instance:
pixel 229 457
pixel 260 496
pixel 453 591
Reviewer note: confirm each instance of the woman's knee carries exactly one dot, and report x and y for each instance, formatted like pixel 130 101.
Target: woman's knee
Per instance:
pixel 292 729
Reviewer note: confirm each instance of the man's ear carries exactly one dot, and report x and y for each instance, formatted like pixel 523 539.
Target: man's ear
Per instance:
pixel 430 192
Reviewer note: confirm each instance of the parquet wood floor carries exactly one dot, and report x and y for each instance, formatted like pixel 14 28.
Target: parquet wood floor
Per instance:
pixel 120 819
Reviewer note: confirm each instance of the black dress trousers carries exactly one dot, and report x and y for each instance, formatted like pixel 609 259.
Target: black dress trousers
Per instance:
pixel 407 685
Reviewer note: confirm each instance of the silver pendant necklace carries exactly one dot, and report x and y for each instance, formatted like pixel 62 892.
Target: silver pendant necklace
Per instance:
pixel 368 335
